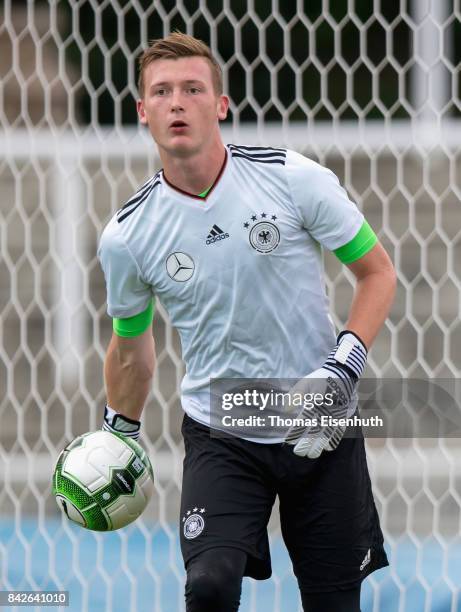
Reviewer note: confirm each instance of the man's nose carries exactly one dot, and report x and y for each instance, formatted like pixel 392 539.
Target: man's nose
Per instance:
pixel 176 100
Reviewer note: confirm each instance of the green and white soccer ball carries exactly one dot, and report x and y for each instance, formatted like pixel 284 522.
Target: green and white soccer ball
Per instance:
pixel 103 481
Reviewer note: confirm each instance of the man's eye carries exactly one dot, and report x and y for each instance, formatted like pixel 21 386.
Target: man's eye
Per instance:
pixel 194 90
pixel 160 92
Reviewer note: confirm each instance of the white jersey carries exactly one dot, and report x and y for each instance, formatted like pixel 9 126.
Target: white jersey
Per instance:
pixel 240 272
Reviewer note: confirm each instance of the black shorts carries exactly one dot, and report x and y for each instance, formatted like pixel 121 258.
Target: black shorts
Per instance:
pixel 328 517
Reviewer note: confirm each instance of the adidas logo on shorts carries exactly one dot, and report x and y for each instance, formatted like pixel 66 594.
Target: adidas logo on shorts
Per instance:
pixel 366 561
pixel 216 233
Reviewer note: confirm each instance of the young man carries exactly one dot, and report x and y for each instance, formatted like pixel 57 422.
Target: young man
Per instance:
pixel 229 239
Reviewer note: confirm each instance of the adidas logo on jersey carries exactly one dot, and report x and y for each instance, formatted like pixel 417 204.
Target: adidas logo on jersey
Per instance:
pixel 216 234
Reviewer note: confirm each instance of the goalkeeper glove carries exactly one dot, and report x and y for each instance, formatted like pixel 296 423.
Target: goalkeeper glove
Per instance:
pixel 339 377
pixel 121 424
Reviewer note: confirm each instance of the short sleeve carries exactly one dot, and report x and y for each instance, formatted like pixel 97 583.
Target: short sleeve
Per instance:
pixel 323 206
pixel 127 293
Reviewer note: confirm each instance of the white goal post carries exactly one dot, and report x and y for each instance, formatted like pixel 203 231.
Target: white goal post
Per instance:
pixel 370 90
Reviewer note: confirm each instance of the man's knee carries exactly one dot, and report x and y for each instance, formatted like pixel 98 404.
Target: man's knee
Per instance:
pixel 207 589
pixel 214 580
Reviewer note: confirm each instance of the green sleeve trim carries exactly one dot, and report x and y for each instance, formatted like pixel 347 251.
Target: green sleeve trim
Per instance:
pixel 364 241
pixel 134 326
pixel 205 193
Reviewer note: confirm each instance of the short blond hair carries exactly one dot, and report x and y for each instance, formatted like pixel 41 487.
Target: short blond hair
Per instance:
pixel 174 46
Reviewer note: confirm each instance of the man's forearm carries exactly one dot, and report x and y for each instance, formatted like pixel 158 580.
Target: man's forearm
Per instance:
pixel 128 374
pixel 370 307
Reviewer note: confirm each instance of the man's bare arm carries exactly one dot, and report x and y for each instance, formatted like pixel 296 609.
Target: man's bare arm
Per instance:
pixel 373 296
pixel 128 370
pixel 374 293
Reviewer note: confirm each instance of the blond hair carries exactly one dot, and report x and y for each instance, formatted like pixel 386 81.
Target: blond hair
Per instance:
pixel 178 45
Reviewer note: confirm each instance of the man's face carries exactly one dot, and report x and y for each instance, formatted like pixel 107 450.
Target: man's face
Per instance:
pixel 180 105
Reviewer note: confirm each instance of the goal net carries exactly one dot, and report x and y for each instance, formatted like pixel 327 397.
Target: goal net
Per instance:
pixel 370 89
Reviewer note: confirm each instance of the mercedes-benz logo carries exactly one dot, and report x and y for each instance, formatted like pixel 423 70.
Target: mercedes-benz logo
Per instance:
pixel 180 266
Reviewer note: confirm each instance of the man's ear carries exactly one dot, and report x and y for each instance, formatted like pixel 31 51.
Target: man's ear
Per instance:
pixel 141 112
pixel 223 107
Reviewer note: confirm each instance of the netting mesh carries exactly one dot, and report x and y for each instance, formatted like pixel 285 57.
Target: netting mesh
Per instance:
pixel 370 89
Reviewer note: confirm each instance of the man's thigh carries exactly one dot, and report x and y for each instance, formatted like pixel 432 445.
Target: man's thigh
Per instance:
pixel 226 498
pixel 336 601
pixel 329 520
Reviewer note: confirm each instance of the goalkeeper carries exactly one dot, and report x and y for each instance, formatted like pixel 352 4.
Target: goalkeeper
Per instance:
pixel 229 239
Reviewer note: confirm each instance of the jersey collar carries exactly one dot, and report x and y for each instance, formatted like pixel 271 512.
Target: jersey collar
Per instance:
pixel 193 197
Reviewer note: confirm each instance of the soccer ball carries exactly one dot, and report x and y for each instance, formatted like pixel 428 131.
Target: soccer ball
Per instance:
pixel 103 481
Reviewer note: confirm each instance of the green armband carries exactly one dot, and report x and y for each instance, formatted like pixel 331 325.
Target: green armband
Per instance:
pixel 364 241
pixel 134 326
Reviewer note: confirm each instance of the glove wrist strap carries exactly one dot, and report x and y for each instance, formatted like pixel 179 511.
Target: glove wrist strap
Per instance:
pixel 121 424
pixel 356 336
pixel 349 356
